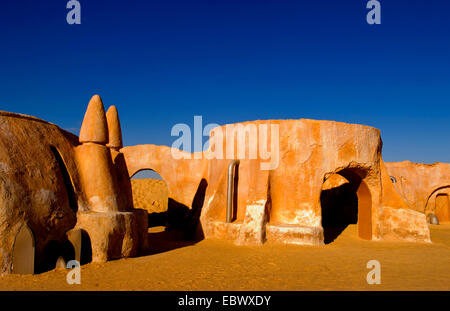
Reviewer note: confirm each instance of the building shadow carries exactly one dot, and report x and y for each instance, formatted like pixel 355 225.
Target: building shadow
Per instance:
pixel 52 251
pixel 178 227
pixel 166 240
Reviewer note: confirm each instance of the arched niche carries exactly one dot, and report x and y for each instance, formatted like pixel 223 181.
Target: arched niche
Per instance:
pixel 24 251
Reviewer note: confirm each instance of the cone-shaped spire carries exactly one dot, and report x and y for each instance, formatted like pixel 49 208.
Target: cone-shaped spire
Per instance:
pixel 115 133
pixel 94 128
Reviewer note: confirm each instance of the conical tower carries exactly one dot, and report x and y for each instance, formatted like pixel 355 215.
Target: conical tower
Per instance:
pixel 94 128
pixel 94 160
pixel 115 229
pixel 114 130
pixel 115 144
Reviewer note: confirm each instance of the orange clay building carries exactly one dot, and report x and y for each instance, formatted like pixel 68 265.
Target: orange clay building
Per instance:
pixel 424 187
pixel 329 175
pixel 71 197
pixel 64 196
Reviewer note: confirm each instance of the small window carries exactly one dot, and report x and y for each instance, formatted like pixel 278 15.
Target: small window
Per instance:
pixel 393 179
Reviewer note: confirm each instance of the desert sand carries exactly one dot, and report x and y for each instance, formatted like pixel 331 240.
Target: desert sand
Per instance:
pixel 174 264
pixel 150 194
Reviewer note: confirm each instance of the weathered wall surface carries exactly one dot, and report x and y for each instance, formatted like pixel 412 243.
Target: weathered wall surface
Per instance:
pixel 289 195
pixel 283 203
pixel 32 187
pixel 182 176
pixel 309 151
pixel 420 184
pixel 53 184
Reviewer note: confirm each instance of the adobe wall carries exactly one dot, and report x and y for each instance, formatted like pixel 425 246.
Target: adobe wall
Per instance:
pixel 32 189
pixel 283 203
pixel 54 185
pixel 420 184
pixel 182 176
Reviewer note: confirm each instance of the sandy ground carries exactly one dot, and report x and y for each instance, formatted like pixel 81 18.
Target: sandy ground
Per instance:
pixel 220 265
pixel 150 194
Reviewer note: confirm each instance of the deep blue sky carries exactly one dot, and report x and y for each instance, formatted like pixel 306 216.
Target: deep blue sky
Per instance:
pixel 162 62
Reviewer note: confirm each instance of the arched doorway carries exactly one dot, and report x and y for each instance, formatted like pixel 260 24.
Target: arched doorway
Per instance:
pixel 55 255
pixel 77 246
pixel 345 200
pixel 172 224
pixel 150 192
pixel 438 203
pixel 442 207
pixel 81 243
pixel 23 251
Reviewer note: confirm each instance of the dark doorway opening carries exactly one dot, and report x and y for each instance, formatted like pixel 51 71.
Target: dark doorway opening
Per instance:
pixel 52 252
pixel 86 248
pixel 345 204
pixel 339 209
pixel 77 247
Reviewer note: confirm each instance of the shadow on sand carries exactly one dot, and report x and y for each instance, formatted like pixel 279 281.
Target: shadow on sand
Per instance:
pixel 179 226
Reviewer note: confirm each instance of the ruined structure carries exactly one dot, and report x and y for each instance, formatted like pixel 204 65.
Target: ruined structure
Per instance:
pixel 424 187
pixel 64 196
pixel 329 175
pixel 69 197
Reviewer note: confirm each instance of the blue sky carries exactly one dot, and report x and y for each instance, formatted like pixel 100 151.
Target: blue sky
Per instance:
pixel 162 62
